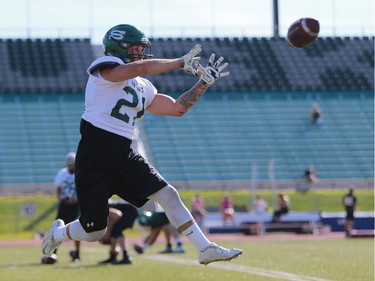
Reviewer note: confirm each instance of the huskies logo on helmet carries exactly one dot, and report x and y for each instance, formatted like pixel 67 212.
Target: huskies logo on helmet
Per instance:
pixel 117 34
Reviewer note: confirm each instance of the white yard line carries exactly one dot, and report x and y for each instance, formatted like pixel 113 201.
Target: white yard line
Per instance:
pixel 238 268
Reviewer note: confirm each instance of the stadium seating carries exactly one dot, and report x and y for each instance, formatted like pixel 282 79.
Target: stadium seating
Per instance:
pixel 257 115
pixel 256 64
pixel 219 139
pixel 44 66
pixel 225 134
pixel 36 132
pixel 269 64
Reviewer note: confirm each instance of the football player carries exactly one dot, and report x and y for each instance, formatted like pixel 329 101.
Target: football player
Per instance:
pixel 116 98
pixel 68 209
pixel 121 216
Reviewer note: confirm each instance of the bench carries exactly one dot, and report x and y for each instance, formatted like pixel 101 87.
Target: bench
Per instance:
pixel 295 222
pixel 251 224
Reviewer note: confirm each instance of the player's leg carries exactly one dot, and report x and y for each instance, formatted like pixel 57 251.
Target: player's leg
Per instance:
pixel 143 182
pixel 125 256
pixel 112 252
pixel 91 226
pixel 75 254
pixel 182 219
pixel 167 235
pixel 177 238
pixel 118 236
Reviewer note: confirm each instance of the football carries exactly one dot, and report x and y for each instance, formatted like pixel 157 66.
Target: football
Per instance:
pixel 303 32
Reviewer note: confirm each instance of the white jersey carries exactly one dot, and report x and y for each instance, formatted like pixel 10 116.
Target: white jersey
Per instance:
pixel 116 106
pixel 65 180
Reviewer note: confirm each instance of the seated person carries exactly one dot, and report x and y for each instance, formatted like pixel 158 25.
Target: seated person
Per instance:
pixel 316 115
pixel 283 207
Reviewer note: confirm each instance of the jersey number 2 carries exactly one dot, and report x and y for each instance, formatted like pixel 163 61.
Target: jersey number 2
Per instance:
pixel 122 102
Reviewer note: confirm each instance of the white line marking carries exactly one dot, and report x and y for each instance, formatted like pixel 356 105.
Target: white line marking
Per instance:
pixel 238 268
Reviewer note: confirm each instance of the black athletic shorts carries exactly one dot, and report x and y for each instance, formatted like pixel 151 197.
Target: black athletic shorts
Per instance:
pixel 106 165
pixel 349 215
pixel 129 215
pixel 68 212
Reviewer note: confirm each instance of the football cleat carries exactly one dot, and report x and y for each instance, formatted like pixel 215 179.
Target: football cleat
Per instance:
pixel 138 249
pixel 49 260
pixel 49 244
pixel 75 256
pixel 179 250
pixel 217 253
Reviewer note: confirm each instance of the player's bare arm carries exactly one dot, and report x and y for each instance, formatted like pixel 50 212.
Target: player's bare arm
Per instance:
pixel 140 68
pixel 166 105
pixel 189 98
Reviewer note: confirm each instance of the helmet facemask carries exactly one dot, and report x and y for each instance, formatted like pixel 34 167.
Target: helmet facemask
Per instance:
pixel 130 57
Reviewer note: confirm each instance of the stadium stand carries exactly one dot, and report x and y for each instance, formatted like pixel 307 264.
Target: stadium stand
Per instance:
pixel 44 66
pixel 224 135
pixel 269 64
pixel 258 114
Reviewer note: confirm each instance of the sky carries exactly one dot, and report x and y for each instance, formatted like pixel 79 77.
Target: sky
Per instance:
pixel 172 18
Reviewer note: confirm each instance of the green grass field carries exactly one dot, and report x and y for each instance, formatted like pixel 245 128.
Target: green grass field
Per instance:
pixel 263 260
pixel 13 225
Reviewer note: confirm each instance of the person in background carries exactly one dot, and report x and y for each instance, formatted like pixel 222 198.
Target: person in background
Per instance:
pixel 316 115
pixel 349 201
pixel 260 206
pixel 198 211
pixel 157 221
pixel 68 209
pixel 282 209
pixel 227 210
pixel 121 217
pixel 310 175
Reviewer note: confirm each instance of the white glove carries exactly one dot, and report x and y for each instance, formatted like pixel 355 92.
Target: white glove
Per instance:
pixel 190 59
pixel 212 71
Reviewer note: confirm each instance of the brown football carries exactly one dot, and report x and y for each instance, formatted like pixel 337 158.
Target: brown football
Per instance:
pixel 303 32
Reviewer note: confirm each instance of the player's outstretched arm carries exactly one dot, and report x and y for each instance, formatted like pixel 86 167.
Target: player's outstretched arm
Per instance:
pixel 152 66
pixel 165 105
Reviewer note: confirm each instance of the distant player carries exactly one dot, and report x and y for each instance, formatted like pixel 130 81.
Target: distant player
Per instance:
pixel 116 98
pixel 121 217
pixel 349 201
pixel 68 209
pixel 157 221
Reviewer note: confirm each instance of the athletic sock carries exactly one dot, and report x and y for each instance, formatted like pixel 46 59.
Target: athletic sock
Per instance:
pixel 196 236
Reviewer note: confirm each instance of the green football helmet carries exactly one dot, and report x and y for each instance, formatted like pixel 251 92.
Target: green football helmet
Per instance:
pixel 117 40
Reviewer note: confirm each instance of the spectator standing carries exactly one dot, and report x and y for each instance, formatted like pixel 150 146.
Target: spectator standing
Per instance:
pixel 349 202
pixel 198 211
pixel 227 210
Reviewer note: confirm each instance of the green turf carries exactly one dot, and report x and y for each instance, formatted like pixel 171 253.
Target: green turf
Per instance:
pixel 342 260
pixel 13 225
